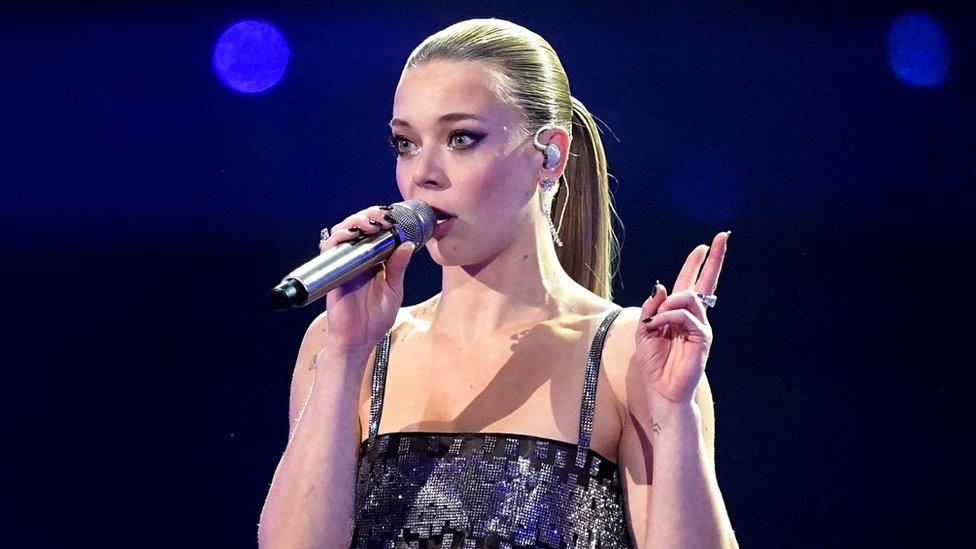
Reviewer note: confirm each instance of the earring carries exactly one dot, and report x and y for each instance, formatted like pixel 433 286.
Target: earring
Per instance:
pixel 545 185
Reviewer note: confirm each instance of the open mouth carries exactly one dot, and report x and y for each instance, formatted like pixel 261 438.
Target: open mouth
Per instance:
pixel 441 215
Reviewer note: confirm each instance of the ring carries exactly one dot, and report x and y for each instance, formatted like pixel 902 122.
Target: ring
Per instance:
pixel 707 299
pixel 325 233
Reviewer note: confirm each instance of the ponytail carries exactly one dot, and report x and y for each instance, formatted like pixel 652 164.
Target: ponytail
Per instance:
pixel 591 250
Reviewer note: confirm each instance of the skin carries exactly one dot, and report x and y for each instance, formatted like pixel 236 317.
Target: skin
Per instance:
pixel 508 321
pixel 497 258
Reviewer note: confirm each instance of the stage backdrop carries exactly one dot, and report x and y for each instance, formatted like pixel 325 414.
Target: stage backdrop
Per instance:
pixel 157 183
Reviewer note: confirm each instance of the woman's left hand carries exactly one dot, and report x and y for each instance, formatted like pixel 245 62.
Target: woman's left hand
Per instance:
pixel 672 348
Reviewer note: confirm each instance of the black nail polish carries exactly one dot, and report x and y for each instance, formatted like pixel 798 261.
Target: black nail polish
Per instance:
pixel 387 208
pixel 648 319
pixel 389 218
pixel 374 222
pixel 353 229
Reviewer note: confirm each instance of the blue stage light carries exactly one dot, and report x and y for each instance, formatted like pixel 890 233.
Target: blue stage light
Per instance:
pixel 918 50
pixel 251 56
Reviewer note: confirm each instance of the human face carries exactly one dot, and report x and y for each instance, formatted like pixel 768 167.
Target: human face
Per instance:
pixel 458 149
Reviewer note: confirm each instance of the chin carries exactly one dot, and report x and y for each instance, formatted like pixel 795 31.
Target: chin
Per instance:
pixel 444 254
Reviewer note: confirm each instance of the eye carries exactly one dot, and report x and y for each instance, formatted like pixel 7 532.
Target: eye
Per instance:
pixel 464 140
pixel 397 143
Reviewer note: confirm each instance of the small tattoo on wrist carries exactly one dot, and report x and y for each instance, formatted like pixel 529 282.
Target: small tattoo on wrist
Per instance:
pixel 655 426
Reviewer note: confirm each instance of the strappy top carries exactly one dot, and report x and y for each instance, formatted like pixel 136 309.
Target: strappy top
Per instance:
pixel 487 490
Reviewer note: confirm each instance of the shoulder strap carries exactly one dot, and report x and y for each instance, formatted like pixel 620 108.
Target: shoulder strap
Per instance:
pixel 379 386
pixel 589 387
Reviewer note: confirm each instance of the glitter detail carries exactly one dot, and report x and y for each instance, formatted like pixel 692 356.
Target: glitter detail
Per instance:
pixel 487 490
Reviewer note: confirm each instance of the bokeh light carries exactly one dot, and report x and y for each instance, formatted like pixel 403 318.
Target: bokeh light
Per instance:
pixel 918 50
pixel 250 56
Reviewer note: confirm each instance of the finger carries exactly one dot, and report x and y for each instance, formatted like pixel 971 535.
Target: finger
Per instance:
pixel 689 271
pixel 355 227
pixel 396 266
pixel 681 319
pixel 381 216
pixel 687 300
pixel 658 295
pixel 340 234
pixel 708 281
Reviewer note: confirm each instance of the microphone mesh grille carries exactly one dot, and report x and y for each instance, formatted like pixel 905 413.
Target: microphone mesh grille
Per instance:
pixel 416 219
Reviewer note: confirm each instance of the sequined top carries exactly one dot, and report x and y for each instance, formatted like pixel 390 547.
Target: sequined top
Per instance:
pixel 487 490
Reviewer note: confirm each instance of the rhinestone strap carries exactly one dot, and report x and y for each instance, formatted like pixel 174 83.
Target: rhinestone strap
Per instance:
pixel 589 387
pixel 379 386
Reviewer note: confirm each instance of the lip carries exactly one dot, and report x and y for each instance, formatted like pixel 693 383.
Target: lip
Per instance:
pixel 441 214
pixel 443 227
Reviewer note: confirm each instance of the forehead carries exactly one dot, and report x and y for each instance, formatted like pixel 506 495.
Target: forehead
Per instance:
pixel 438 87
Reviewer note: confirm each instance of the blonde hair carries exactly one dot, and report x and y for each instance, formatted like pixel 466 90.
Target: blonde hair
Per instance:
pixel 531 78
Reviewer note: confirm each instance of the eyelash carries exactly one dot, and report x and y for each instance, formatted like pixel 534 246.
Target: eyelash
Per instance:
pixel 474 136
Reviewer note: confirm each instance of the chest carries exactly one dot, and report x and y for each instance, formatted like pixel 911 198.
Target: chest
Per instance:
pixel 533 384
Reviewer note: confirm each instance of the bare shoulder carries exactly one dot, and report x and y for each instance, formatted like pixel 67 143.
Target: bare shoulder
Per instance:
pixel 618 347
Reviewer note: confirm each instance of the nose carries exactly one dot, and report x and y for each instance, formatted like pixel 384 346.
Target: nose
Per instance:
pixel 427 168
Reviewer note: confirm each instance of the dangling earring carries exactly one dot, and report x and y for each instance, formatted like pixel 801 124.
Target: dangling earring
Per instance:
pixel 545 185
pixel 551 156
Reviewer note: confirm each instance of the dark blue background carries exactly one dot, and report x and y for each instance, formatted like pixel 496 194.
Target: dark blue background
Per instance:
pixel 147 210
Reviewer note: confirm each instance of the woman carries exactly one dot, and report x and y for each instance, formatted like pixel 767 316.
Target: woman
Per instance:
pixel 519 406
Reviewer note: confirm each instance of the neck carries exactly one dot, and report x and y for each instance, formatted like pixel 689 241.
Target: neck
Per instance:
pixel 524 284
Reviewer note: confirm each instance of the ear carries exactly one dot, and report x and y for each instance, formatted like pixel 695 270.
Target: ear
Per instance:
pixel 561 139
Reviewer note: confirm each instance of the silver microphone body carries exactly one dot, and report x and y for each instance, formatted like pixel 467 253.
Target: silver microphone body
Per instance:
pixel 415 222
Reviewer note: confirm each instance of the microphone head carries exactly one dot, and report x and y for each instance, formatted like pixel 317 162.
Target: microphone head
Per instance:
pixel 416 219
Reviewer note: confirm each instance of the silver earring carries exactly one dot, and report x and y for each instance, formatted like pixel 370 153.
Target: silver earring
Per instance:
pixel 545 185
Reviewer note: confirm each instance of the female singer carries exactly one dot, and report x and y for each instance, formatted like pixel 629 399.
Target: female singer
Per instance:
pixel 520 406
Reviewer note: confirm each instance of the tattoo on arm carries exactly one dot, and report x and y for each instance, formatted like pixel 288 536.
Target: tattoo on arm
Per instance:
pixel 655 426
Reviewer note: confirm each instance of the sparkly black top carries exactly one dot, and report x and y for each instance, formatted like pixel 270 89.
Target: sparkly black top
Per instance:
pixel 487 490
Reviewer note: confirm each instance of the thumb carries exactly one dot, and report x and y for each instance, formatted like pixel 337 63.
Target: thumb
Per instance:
pixel 396 265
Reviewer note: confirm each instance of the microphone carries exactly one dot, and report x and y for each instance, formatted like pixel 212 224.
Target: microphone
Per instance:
pixel 415 222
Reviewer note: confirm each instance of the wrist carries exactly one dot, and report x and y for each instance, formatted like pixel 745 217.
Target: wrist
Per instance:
pixel 665 409
pixel 344 349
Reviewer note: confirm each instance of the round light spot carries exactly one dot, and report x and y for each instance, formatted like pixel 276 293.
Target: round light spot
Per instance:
pixel 250 56
pixel 918 50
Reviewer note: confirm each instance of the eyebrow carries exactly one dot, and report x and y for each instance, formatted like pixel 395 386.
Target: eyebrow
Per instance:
pixel 451 117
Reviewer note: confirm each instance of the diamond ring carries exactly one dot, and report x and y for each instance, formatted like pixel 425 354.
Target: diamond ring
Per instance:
pixel 707 299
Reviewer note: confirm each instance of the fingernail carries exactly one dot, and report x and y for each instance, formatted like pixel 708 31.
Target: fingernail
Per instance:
pixel 654 290
pixel 387 208
pixel 648 319
pixel 354 229
pixel 389 218
pixel 729 232
pixel 374 222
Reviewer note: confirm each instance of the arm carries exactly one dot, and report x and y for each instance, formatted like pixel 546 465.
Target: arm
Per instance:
pixel 310 502
pixel 677 450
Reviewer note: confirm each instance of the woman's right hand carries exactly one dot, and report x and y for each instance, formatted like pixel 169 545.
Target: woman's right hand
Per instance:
pixel 362 310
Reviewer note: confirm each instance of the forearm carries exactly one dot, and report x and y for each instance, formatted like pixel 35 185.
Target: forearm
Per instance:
pixel 311 499
pixel 686 507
